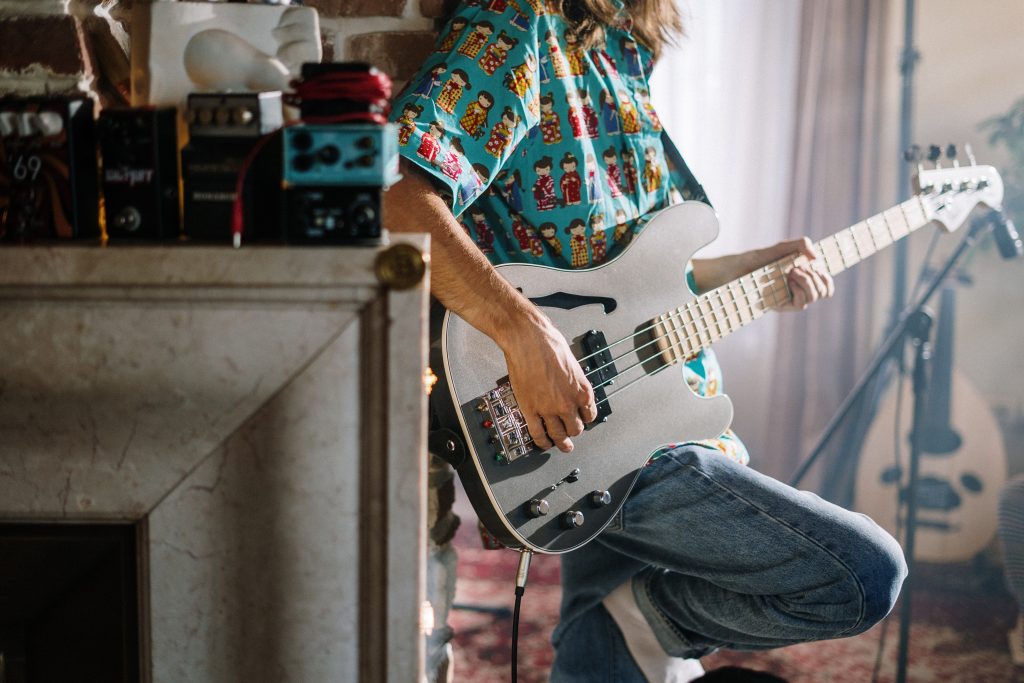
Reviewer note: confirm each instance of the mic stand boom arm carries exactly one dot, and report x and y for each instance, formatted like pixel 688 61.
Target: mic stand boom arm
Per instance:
pixel 891 344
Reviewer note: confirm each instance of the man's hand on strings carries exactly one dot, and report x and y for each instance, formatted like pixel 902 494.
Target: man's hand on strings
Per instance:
pixel 554 395
pixel 808 281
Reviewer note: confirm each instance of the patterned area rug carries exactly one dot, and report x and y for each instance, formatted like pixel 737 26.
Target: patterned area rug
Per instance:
pixel 960 618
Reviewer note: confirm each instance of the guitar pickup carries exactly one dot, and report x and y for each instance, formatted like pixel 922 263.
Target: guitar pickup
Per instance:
pixel 600 370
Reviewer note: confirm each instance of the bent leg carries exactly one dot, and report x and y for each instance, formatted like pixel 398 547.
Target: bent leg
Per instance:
pixel 722 555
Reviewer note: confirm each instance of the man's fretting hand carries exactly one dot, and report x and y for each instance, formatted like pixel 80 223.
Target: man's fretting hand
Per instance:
pixel 554 395
pixel 807 279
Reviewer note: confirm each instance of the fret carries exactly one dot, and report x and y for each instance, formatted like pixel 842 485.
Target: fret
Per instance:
pixel 925 216
pixel 724 308
pixel 904 230
pixel 846 248
pixel 881 235
pixel 746 296
pixel 736 305
pixel 833 257
pixel 697 326
pixel 769 293
pixel 708 318
pixel 671 336
pixel 867 237
pixel 857 238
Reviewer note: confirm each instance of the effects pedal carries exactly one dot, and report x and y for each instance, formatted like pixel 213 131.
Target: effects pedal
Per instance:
pixel 49 176
pixel 139 150
pixel 224 129
pixel 234 115
pixel 333 215
pixel 340 154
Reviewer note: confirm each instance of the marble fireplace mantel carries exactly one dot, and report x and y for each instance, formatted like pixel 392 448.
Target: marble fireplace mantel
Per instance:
pixel 260 415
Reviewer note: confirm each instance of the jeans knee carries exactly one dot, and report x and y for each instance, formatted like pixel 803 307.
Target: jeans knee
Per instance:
pixel 881 573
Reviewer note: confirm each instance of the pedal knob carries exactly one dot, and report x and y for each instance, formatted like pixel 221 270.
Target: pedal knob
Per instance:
pixel 600 498
pixel 538 507
pixel 573 519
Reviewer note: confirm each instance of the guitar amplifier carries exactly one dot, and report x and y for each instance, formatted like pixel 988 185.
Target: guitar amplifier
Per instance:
pixel 49 176
pixel 139 148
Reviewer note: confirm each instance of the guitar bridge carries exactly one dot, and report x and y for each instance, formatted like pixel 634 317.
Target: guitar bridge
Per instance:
pixel 506 423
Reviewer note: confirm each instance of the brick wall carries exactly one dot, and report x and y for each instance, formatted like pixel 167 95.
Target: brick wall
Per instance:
pixel 66 46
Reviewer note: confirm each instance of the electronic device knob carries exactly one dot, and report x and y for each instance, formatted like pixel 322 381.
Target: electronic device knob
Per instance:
pixel 49 123
pixel 329 154
pixel 538 507
pixel 303 162
pixel 573 519
pixel 363 215
pixel 243 116
pixel 302 141
pixel 600 498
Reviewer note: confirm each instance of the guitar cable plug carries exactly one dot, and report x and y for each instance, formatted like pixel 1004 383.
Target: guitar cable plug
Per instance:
pixel 521 574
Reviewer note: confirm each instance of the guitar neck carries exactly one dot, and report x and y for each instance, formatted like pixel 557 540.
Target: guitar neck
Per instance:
pixel 685 331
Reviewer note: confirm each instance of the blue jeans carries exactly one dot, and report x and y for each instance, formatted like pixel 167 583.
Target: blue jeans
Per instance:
pixel 722 556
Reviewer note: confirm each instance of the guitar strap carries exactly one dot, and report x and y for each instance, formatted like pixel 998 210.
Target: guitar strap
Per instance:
pixel 682 176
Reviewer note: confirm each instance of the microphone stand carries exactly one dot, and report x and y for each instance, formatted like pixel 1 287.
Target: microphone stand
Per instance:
pixel 914 323
pixel 892 343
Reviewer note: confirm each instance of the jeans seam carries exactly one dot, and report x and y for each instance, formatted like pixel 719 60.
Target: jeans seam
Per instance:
pixel 836 558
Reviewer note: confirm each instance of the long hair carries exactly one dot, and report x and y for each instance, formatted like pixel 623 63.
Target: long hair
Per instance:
pixel 656 23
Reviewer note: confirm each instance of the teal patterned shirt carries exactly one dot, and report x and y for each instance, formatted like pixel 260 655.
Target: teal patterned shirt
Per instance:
pixel 547 152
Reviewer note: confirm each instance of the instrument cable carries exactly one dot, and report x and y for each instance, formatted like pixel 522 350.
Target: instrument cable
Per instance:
pixel 521 574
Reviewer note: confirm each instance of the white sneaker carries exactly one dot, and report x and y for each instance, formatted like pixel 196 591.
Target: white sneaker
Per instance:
pixel 641 642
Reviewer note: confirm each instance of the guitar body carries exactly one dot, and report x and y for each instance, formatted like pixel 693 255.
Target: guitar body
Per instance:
pixel 959 492
pixel 616 299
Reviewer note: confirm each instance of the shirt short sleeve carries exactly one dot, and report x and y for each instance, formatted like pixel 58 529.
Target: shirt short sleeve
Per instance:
pixel 474 99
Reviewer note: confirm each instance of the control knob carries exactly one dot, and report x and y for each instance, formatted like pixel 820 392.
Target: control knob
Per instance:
pixel 573 519
pixel 600 498
pixel 538 507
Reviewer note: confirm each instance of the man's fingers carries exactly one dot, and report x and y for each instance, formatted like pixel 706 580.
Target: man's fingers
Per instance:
pixel 536 427
pixel 588 411
pixel 573 424
pixel 801 287
pixel 556 430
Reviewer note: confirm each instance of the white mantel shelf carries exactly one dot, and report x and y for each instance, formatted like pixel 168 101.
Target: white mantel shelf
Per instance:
pixel 260 415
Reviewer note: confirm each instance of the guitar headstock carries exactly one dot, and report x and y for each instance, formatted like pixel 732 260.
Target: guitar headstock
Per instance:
pixel 950 194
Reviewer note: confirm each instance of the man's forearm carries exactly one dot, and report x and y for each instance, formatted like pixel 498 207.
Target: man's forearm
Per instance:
pixel 461 276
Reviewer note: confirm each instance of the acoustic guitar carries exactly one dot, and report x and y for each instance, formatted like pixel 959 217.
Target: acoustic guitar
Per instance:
pixel 962 464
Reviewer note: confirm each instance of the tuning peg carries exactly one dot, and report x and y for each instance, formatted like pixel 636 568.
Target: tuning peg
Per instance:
pixel 934 154
pixel 970 154
pixel 912 154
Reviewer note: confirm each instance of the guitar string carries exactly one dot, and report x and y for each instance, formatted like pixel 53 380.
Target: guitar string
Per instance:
pixel 766 271
pixel 777 266
pixel 701 316
pixel 846 265
pixel 782 263
pixel 686 341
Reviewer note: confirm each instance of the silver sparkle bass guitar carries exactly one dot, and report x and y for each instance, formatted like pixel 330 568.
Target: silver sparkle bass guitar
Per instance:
pixel 631 322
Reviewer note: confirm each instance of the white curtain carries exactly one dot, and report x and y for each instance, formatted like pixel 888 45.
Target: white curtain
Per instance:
pixel 781 109
pixel 728 94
